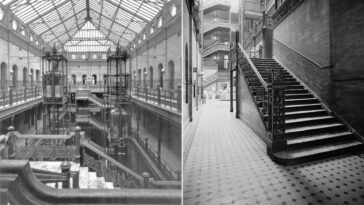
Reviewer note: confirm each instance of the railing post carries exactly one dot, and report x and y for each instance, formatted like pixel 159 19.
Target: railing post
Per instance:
pixel 138 95
pixel 11 143
pixel 11 95
pixel 159 94
pixel 146 94
pixel 75 184
pixel 237 76
pixel 145 180
pixel 77 144
pixel 66 169
pixel 277 112
pixel 179 99
pixel 25 93
pixel 146 144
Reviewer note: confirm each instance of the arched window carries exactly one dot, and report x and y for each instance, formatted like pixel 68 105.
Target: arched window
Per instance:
pixel 94 79
pixel 151 76
pixel 25 76
pixel 74 79
pixel 84 79
pixel 171 74
pixel 186 73
pixel 161 71
pixel 15 76
pixel 4 69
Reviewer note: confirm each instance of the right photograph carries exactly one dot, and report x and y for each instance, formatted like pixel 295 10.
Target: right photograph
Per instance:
pixel 273 92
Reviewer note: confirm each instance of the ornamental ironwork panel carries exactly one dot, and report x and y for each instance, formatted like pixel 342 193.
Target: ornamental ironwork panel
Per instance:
pixel 278 103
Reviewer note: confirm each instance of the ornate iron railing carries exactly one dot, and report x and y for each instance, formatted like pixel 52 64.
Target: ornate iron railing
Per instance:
pixel 170 99
pixel 13 96
pixel 162 164
pixel 268 96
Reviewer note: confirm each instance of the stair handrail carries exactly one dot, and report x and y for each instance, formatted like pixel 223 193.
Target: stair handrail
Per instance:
pixel 23 187
pixel 253 67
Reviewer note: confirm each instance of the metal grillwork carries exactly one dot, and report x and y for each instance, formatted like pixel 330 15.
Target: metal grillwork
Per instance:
pixel 55 93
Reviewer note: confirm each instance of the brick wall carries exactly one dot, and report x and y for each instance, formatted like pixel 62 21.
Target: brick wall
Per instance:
pixel 303 37
pixel 347 50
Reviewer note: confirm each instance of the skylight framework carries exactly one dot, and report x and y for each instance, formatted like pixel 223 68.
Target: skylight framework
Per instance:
pixel 58 21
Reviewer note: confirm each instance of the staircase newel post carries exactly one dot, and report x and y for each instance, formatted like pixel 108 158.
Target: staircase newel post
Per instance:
pixel 231 77
pixel 77 144
pixel 66 169
pixel 279 142
pixel 145 180
pixel 11 143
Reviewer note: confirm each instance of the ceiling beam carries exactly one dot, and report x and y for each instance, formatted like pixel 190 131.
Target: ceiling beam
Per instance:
pixel 113 18
pixel 46 13
pixel 62 20
pixel 74 12
pixel 132 20
pixel 127 11
pixel 50 28
pixel 112 21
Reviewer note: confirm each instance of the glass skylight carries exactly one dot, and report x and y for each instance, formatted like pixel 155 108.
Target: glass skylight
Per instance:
pixel 62 22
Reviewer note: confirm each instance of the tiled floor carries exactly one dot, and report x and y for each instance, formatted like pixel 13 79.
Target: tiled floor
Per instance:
pixel 228 164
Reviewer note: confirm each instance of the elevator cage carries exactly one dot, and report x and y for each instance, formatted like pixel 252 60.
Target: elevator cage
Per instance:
pixel 54 70
pixel 118 95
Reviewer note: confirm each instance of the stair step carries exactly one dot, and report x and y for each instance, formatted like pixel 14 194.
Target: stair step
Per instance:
pixel 314 129
pixel 300 101
pixel 305 121
pixel 316 152
pixel 295 91
pixel 83 178
pixel 100 182
pixel 305 113
pixel 294 87
pixel 92 180
pixel 109 185
pixel 298 95
pixel 302 107
pixel 325 137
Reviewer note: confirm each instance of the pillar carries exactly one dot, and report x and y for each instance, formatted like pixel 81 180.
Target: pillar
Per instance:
pixel 267 42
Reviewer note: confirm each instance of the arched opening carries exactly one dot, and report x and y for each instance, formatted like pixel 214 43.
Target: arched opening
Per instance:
pixel 74 79
pixel 94 79
pixel 171 74
pixel 84 79
pixel 145 77
pixel 25 76
pixel 161 71
pixel 151 76
pixel 15 76
pixel 3 74
pixel 186 73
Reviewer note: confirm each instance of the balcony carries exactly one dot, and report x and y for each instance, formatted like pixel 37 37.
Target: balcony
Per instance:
pixel 215 47
pixel 217 23
pixel 13 101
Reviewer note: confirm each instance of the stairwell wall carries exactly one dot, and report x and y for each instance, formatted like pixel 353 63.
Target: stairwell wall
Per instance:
pixel 301 42
pixel 347 56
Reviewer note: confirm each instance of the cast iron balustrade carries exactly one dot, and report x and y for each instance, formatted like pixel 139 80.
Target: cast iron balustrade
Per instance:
pixel 268 96
pixel 170 99
pixel 162 164
pixel 13 96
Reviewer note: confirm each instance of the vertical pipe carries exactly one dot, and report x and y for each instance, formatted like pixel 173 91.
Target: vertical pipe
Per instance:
pixel 237 76
pixel 231 81
pixel 190 68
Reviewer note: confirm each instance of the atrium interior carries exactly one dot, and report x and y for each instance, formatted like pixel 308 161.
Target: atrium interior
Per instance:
pixel 90 102
pixel 273 109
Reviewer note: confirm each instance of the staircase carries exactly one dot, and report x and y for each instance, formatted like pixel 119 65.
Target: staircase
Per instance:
pixel 311 131
pixel 86 180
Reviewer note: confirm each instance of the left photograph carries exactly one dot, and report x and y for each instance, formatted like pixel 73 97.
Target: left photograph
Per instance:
pixel 90 102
